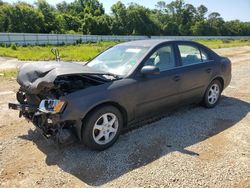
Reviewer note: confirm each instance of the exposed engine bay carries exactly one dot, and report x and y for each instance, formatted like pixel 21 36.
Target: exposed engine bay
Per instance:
pixel 64 85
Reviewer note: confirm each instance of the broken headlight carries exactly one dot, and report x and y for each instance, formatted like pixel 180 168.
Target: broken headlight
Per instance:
pixel 52 106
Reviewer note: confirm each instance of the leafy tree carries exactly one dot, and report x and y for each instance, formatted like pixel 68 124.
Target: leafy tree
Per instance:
pixel 171 28
pixel 70 22
pixel 187 19
pixel 81 7
pixel 161 6
pixel 93 7
pixel 236 28
pixel 21 17
pixel 5 10
pixel 201 12
pixel 216 23
pixel 88 16
pixel 89 25
pixel 63 7
pixel 51 23
pixel 120 22
pixel 104 22
pixel 245 29
pixel 96 25
pixel 201 28
pixel 140 20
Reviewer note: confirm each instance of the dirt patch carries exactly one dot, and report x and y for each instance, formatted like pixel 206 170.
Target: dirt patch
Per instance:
pixel 219 142
pixel 146 154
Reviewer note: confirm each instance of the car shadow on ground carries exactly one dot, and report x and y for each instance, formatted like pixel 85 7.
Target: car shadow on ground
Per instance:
pixel 186 127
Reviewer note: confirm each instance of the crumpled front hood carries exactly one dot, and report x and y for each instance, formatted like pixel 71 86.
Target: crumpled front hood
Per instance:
pixel 34 77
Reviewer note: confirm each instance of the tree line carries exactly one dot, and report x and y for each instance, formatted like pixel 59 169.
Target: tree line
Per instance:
pixel 89 17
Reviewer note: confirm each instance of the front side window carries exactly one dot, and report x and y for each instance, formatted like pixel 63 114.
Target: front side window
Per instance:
pixel 118 60
pixel 163 58
pixel 191 55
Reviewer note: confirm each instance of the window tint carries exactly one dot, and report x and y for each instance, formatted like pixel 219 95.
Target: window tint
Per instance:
pixel 162 58
pixel 191 55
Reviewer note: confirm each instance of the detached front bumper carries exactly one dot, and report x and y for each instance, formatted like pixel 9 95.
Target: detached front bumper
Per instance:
pixel 22 107
pixel 26 109
pixel 49 125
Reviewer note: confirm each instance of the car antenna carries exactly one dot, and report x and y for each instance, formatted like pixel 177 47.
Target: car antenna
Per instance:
pixel 55 51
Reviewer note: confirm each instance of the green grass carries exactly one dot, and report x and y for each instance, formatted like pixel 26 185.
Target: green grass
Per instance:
pixel 11 73
pixel 214 44
pixel 80 52
pixel 85 52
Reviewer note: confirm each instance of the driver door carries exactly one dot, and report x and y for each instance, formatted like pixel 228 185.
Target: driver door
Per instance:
pixel 158 92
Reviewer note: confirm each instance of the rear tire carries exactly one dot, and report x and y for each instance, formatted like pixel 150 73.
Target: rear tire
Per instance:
pixel 212 94
pixel 102 127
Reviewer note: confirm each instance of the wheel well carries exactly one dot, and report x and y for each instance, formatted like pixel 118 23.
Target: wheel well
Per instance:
pixel 220 79
pixel 116 105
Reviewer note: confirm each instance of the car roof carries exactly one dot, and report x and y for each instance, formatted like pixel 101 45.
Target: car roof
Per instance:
pixel 150 42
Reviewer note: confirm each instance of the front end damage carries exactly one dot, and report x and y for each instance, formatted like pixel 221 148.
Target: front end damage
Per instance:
pixel 39 98
pixel 47 122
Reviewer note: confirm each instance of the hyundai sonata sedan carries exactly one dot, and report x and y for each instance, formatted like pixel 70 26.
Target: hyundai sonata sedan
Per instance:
pixel 125 84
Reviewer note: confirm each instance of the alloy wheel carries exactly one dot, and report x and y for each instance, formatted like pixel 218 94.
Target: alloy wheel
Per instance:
pixel 105 128
pixel 213 93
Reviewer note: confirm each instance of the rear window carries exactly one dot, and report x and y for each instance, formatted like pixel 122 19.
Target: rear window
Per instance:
pixel 192 55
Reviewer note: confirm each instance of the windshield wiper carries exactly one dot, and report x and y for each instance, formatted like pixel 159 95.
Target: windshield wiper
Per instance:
pixel 108 74
pixel 111 74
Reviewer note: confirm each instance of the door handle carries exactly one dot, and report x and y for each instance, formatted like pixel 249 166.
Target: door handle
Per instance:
pixel 209 70
pixel 176 78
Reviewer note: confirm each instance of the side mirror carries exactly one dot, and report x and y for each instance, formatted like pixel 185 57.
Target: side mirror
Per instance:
pixel 150 70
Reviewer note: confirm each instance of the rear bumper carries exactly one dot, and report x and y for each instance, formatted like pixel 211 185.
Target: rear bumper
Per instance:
pixel 228 80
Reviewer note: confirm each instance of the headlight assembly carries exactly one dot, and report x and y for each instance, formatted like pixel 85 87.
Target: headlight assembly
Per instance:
pixel 52 106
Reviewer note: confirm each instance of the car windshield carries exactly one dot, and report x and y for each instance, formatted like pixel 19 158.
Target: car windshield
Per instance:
pixel 118 60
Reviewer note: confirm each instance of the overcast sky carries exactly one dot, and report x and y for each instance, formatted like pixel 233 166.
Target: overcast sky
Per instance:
pixel 229 9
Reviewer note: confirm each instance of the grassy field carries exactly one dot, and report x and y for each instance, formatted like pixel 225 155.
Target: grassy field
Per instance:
pixel 215 44
pixel 84 52
pixel 8 74
pixel 80 52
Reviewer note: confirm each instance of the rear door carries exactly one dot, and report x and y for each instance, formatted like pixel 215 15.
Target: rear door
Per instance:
pixel 196 69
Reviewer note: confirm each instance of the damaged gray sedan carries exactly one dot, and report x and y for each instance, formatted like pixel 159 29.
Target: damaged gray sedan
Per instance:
pixel 123 85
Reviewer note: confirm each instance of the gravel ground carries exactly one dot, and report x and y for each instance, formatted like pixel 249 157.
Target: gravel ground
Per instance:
pixel 194 147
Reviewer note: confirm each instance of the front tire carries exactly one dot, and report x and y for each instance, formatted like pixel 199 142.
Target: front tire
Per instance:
pixel 213 94
pixel 102 127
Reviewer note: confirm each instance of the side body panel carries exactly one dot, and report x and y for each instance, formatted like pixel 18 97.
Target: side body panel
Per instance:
pixel 156 93
pixel 121 92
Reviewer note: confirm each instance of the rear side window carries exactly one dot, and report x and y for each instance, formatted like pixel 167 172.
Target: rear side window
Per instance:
pixel 191 55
